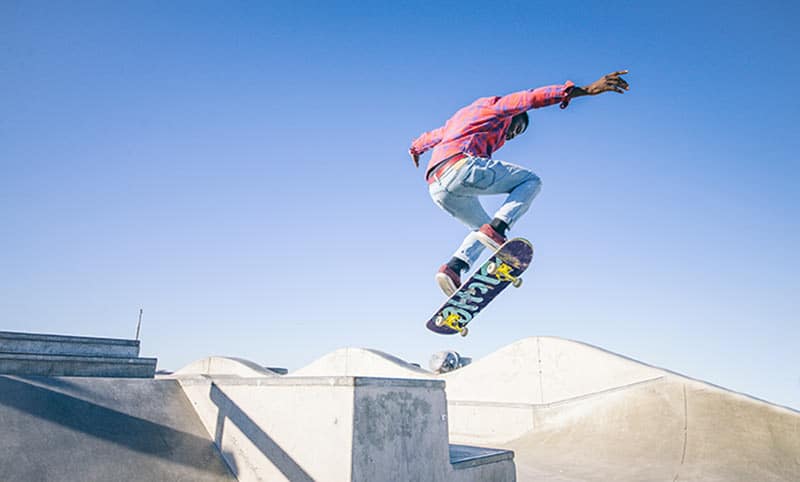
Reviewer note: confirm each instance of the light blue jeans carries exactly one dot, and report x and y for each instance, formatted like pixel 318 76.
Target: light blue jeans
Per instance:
pixel 458 189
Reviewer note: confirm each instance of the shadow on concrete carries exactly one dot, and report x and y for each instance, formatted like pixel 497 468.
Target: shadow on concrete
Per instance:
pixel 67 386
pixel 228 410
pixel 63 433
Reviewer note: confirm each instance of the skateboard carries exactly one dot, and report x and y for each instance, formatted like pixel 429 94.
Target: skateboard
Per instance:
pixel 503 268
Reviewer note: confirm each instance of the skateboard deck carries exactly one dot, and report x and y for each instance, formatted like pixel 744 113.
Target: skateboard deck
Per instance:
pixel 503 268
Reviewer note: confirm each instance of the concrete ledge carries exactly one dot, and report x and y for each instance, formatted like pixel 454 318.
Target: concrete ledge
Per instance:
pixel 465 456
pixel 313 381
pixel 44 344
pixel 76 366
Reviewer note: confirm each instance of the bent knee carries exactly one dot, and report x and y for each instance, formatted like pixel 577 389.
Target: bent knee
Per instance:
pixel 535 182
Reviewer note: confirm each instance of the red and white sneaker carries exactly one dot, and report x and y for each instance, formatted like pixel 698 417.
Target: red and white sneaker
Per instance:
pixel 448 280
pixel 489 237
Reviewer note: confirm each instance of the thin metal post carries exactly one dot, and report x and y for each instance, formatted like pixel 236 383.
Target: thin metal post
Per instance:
pixel 139 325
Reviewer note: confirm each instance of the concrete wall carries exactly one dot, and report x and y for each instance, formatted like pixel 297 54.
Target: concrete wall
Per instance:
pixel 44 344
pixel 400 428
pixel 504 471
pixel 337 429
pixel 279 429
pixel 100 429
pixel 489 423
pixel 76 366
pixel 34 354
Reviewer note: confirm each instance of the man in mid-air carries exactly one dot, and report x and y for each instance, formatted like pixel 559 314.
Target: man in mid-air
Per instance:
pixel 461 167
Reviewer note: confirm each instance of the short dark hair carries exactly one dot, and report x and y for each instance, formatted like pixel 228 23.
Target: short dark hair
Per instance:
pixel 524 117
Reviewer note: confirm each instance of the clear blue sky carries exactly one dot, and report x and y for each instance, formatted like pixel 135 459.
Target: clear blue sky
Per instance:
pixel 239 170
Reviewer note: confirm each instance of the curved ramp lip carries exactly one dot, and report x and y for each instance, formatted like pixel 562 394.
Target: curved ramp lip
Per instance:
pixel 222 366
pixel 325 365
pixel 676 374
pixel 566 401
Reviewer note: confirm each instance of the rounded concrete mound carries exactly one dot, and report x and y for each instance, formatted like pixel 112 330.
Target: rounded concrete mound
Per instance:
pixel 574 412
pixel 220 366
pixel 362 362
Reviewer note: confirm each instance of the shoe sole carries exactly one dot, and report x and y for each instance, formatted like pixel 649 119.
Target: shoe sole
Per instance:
pixel 487 241
pixel 446 284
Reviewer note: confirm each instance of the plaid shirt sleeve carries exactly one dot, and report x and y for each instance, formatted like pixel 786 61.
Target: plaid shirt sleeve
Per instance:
pixel 426 141
pixel 525 100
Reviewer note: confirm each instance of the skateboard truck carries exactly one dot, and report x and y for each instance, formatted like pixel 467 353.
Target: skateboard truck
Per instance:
pixel 452 322
pixel 503 273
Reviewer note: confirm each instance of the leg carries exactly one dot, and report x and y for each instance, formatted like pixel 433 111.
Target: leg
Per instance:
pixel 457 193
pixel 469 211
pixel 489 176
pixel 519 198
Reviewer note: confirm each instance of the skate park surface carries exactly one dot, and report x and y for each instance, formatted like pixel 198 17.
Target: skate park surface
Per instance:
pixel 573 412
pixel 541 408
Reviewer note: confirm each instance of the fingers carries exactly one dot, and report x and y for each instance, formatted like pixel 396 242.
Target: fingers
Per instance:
pixel 414 157
pixel 612 82
pixel 620 83
pixel 617 82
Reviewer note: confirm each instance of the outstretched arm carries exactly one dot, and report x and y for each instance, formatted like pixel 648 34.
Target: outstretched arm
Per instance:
pixel 424 142
pixel 525 100
pixel 607 83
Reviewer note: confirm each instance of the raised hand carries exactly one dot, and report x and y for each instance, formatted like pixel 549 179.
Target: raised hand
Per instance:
pixel 607 83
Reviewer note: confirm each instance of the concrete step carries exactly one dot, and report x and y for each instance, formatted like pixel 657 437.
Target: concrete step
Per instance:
pixel 24 364
pixel 42 344
pixel 465 456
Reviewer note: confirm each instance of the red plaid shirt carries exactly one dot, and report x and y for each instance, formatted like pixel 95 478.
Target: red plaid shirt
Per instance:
pixel 479 129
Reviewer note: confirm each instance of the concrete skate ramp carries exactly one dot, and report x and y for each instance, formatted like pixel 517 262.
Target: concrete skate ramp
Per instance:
pixel 540 370
pixel 666 430
pixel 573 412
pixel 362 362
pixel 87 429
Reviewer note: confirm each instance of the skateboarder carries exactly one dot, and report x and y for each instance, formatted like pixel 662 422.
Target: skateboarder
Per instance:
pixel 461 167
